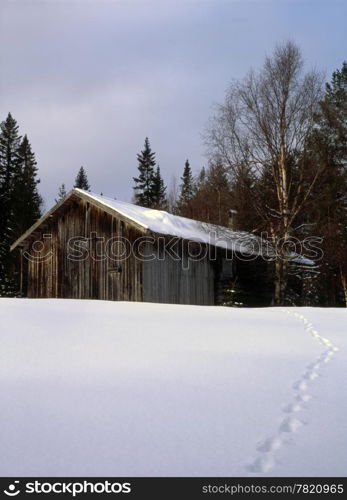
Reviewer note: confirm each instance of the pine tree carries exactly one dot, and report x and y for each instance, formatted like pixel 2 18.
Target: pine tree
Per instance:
pixel 144 182
pixel 19 198
pixel 194 207
pixel 9 143
pixel 26 198
pixel 81 180
pixel 329 205
pixel 61 193
pixel 159 191
pixel 186 189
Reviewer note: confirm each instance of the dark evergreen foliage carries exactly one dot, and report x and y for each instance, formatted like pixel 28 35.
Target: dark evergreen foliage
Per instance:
pixel 158 191
pixel 19 198
pixel 186 190
pixel 144 183
pixel 328 207
pixel 9 144
pixel 27 200
pixel 81 180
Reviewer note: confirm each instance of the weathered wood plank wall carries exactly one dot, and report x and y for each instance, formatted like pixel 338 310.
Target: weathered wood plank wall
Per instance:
pixel 178 281
pixel 82 262
pixel 98 274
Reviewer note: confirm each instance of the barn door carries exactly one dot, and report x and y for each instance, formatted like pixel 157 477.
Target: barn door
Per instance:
pixel 114 283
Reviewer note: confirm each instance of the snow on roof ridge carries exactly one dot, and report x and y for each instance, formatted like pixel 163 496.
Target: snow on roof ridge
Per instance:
pixel 162 222
pixel 112 202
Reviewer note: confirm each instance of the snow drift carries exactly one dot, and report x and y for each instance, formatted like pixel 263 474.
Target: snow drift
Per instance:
pixel 135 389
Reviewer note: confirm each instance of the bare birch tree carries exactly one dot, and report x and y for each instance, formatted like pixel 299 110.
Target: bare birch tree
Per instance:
pixel 264 125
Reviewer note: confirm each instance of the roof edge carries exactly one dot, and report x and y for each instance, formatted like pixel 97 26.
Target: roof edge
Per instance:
pixel 106 207
pixel 41 220
pixel 82 195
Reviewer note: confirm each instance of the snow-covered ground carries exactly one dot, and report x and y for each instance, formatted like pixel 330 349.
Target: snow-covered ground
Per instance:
pixel 111 389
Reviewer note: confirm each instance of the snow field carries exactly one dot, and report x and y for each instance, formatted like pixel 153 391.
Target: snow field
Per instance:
pixel 95 388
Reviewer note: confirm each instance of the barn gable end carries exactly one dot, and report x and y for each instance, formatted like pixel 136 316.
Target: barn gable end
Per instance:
pixel 67 257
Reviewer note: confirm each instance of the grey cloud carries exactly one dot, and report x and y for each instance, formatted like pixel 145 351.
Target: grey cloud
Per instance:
pixel 88 80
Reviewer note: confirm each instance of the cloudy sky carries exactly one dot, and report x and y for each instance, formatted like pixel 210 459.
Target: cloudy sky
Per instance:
pixel 88 80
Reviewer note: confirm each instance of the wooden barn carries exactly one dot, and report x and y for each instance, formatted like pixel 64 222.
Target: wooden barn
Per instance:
pixel 92 247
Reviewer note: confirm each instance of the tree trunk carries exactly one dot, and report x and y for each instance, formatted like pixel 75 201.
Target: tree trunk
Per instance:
pixel 278 283
pixel 281 278
pixel 282 236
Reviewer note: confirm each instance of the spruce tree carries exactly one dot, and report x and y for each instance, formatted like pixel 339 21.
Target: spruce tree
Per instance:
pixel 81 180
pixel 159 191
pixel 329 204
pixel 186 189
pixel 144 183
pixel 19 198
pixel 9 143
pixel 26 198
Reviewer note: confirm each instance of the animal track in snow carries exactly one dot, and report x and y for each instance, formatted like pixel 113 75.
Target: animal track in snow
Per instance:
pixel 303 397
pixel 300 385
pixel 292 408
pixel 311 375
pixel 290 424
pixel 269 446
pixel 262 464
pixel 313 366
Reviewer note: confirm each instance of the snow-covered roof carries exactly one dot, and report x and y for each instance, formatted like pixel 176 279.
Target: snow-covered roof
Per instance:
pixel 164 223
